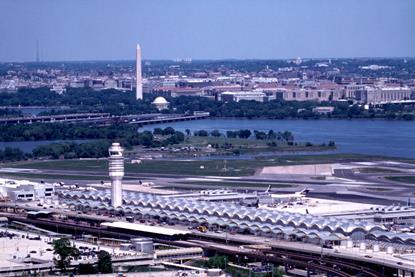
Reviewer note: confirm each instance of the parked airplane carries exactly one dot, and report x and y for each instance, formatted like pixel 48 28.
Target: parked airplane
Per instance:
pixel 299 194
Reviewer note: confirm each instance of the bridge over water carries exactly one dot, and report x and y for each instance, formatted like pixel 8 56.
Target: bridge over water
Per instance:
pixel 105 118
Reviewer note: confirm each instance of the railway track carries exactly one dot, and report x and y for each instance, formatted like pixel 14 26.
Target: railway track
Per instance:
pixel 308 261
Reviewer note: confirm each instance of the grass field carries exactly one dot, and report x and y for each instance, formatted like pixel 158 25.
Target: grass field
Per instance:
pixel 200 168
pixel 45 176
pixel 402 179
pixel 54 176
pixel 378 189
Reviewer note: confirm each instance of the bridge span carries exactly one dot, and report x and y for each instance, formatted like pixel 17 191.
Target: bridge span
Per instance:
pixel 105 118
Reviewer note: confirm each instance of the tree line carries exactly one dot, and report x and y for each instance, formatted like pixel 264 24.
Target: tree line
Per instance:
pixel 126 135
pixel 65 251
pixel 286 136
pixel 10 113
pixel 117 103
pixel 80 131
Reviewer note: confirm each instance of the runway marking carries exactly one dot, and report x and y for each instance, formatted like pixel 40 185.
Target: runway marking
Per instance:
pixel 17 170
pixel 204 179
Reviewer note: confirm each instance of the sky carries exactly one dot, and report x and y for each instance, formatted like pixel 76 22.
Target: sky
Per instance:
pixel 70 30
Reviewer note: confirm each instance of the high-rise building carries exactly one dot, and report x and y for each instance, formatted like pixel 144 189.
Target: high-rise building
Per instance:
pixel 116 173
pixel 139 86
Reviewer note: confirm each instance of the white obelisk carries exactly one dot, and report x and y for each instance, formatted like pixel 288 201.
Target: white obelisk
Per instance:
pixel 139 85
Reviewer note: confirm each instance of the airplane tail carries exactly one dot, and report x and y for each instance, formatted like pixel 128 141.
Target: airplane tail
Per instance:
pixel 304 191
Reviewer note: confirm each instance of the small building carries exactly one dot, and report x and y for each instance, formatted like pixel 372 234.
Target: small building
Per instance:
pixel 25 190
pixel 323 110
pixel 38 214
pixel 161 103
pixel 4 221
pixel 144 245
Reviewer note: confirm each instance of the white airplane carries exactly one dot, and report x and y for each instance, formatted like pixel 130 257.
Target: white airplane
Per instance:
pixel 297 195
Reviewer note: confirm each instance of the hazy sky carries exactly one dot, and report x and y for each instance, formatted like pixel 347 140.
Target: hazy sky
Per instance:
pixel 205 29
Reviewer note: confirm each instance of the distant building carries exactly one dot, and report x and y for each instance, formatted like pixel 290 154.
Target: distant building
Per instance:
pixel 352 90
pixel 110 84
pixel 161 103
pixel 97 84
pixel 237 96
pixel 385 94
pixel 77 84
pixel 125 84
pixel 299 94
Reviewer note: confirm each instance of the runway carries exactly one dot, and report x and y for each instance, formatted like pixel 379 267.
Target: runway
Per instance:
pixel 345 184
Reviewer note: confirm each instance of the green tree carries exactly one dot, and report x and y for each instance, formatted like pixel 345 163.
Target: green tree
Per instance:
pixel 104 264
pixel 260 135
pixel 201 133
pixel 158 131
pixel 65 250
pixel 168 131
pixel 217 261
pixel 278 272
pixel 231 134
pixel 271 135
pixel 215 133
pixel 244 134
pixel 11 154
pixel 86 269
pixel 287 136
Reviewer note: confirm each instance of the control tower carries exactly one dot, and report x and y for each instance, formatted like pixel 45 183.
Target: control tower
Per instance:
pixel 116 173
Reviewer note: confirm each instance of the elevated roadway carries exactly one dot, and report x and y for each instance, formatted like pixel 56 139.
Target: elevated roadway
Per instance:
pixel 141 119
pixel 79 117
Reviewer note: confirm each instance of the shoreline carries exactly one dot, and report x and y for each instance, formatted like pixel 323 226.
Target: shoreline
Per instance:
pixel 312 119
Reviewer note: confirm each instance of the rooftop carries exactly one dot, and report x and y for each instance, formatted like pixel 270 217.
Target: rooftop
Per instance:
pixel 144 228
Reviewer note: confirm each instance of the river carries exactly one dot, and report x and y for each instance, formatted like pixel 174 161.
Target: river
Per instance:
pixel 375 137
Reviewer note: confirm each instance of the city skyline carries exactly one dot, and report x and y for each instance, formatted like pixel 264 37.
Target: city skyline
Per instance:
pixel 214 30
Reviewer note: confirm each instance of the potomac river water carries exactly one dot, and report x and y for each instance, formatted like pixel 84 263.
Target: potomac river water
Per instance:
pixel 376 137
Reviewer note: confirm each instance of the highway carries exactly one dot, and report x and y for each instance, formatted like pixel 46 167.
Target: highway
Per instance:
pixel 343 255
pixel 317 262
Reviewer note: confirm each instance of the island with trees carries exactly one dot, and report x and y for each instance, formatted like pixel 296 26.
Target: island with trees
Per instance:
pixel 87 141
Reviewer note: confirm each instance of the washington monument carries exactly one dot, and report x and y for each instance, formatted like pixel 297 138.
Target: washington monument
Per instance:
pixel 139 85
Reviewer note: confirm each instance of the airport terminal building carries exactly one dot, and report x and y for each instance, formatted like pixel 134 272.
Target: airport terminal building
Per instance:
pixel 232 217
